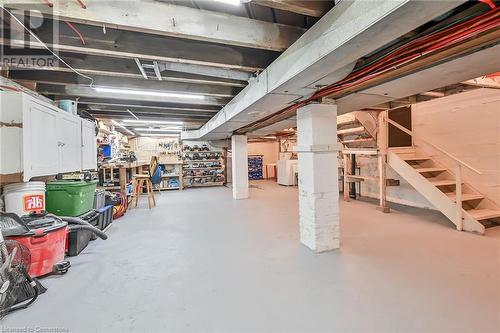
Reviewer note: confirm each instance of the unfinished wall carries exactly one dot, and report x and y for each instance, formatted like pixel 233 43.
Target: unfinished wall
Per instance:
pixel 466 125
pixel 404 194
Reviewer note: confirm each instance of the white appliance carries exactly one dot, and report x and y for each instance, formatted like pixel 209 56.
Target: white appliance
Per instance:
pixel 286 172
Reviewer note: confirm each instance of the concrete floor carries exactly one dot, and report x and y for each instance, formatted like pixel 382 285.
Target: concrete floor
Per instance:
pixel 202 262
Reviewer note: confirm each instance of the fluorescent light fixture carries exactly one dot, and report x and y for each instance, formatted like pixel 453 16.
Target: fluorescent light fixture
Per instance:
pixel 160 134
pixel 148 93
pixel 230 2
pixel 162 122
pixel 122 127
pixel 133 115
pixel 146 129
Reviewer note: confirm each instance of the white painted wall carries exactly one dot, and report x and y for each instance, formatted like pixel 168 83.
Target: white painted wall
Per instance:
pixel 468 126
pixel 270 150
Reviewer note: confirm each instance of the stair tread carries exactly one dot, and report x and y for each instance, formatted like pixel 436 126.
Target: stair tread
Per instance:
pixel 465 196
pixel 358 140
pixel 443 182
pixel 415 158
pixel 353 130
pixel 484 214
pixel 422 170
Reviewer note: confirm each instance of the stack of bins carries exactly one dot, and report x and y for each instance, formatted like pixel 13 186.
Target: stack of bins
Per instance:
pixel 73 198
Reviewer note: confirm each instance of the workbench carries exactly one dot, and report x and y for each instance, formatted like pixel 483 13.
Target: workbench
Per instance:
pixel 133 167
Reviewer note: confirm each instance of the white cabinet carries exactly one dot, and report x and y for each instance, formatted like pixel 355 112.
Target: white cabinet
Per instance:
pixel 89 146
pixel 53 141
pixel 69 141
pixel 39 138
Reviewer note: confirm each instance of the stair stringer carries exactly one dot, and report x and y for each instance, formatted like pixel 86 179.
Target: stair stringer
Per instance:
pixel 432 193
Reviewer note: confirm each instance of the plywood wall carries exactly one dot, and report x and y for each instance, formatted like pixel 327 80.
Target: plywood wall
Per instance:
pixel 466 125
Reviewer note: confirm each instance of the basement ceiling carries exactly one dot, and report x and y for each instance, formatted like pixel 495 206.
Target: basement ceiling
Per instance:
pixel 125 50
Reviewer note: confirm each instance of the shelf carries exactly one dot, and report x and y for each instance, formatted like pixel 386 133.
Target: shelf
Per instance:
pixel 204 176
pixel 204 185
pixel 202 151
pixel 198 161
pixel 170 188
pixel 207 168
pixel 171 163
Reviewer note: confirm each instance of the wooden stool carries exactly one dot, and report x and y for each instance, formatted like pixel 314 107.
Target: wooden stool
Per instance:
pixel 138 182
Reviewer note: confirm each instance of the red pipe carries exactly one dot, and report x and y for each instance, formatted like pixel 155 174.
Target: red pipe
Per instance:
pixel 489 3
pixel 409 52
pixel 82 4
pixel 72 27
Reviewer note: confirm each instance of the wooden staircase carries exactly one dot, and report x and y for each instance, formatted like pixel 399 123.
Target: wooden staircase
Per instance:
pixel 352 134
pixel 439 186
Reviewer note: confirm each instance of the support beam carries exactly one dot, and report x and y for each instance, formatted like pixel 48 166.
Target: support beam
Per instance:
pixel 24 72
pixel 45 79
pixel 131 52
pixel 85 91
pixel 223 73
pixel 239 160
pixel 165 19
pixel 309 8
pixel 318 177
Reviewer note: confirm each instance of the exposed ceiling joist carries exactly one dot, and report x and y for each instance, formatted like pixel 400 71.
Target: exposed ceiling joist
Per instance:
pixel 72 80
pixel 169 20
pixel 206 71
pixel 90 92
pixel 106 52
pixel 24 73
pixel 309 8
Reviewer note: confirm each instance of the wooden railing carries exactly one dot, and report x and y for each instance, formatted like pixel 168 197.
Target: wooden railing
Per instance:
pixel 458 169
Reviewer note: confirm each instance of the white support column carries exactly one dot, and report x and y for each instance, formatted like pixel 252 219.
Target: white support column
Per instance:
pixel 239 166
pixel 318 177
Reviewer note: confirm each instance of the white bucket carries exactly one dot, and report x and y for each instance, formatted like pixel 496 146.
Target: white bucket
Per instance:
pixel 23 198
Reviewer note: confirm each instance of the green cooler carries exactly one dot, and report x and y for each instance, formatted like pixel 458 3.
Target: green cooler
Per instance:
pixel 70 198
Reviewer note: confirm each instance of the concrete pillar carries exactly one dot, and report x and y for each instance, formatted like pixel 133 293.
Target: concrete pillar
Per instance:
pixel 240 166
pixel 318 176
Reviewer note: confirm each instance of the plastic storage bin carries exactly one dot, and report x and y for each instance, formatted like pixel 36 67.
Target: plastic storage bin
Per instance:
pixel 70 198
pixel 99 199
pixel 105 217
pixel 91 217
pixel 77 241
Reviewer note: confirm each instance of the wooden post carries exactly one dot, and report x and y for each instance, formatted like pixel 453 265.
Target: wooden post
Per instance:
pixel 382 141
pixel 458 188
pixel 347 165
pixel 123 179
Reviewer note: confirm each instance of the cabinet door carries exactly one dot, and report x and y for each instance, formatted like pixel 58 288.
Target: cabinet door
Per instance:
pixel 89 146
pixel 69 137
pixel 40 153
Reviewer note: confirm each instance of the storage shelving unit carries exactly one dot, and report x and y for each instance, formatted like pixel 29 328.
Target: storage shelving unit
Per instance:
pixel 203 168
pixel 255 165
pixel 172 175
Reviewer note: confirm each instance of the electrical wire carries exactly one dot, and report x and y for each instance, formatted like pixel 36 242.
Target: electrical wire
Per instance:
pixel 402 55
pixel 91 85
